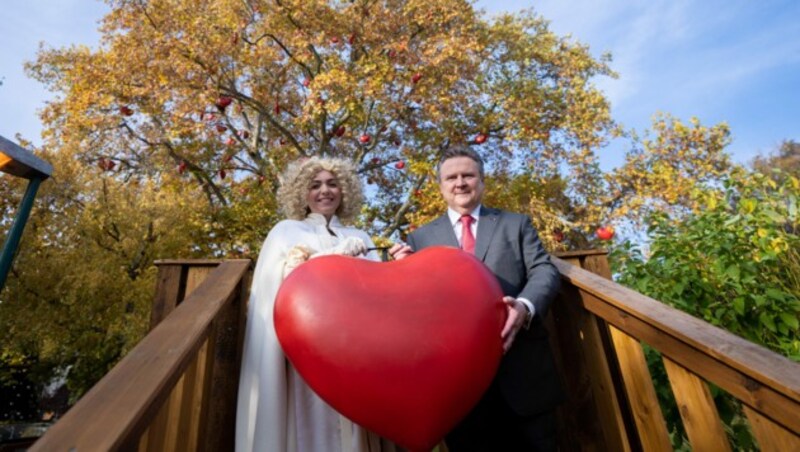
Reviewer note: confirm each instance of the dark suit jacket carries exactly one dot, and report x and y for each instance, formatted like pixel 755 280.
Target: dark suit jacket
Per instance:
pixel 509 245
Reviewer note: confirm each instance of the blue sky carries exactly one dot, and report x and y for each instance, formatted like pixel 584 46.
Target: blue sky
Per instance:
pixel 736 61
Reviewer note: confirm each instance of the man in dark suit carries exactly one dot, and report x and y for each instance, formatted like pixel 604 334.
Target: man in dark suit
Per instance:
pixel 517 413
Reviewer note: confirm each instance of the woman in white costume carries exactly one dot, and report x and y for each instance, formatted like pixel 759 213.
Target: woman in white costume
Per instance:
pixel 277 411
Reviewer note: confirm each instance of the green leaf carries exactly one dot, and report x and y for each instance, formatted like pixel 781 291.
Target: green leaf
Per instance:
pixel 790 320
pixel 774 216
pixel 768 322
pixel 733 272
pixel 775 294
pixel 738 305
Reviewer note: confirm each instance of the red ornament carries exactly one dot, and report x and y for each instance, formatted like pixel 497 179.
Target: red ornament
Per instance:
pixel 306 82
pixel 365 138
pixel 125 110
pixel 481 138
pixel 223 102
pixel 430 357
pixel 222 174
pixel 605 233
pixel 221 128
pixel 182 167
pixel 339 131
pixel 351 39
pixel 416 78
pixel 558 236
pixel 400 165
pixel 335 40
pixel 277 108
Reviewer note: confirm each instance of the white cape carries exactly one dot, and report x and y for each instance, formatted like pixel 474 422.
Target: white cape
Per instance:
pixel 276 410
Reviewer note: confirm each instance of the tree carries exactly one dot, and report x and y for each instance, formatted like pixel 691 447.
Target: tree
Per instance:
pixel 244 87
pixel 786 159
pixel 173 133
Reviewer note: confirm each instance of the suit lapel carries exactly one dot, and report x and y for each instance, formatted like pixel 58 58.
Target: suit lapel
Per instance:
pixel 444 231
pixel 486 228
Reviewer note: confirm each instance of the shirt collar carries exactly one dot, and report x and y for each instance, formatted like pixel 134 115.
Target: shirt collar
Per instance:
pixel 455 217
pixel 319 220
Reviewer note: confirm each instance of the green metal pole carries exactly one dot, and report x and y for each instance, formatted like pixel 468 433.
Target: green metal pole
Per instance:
pixel 15 233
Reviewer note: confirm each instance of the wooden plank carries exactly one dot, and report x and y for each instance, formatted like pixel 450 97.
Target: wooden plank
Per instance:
pixel 195 276
pixel 772 437
pixel 755 375
pixel 564 255
pixel 219 423
pixel 143 441
pixel 117 409
pixel 157 430
pixel 189 421
pixel 698 412
pixel 597 264
pixel 169 290
pixel 164 431
pixel 767 399
pixel 641 394
pixel 590 419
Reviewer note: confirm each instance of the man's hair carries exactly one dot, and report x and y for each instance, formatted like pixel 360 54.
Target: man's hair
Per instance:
pixel 459 151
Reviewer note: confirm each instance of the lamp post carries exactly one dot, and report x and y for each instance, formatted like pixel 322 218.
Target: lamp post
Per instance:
pixel 19 162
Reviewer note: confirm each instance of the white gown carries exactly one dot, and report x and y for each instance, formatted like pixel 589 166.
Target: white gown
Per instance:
pixel 276 410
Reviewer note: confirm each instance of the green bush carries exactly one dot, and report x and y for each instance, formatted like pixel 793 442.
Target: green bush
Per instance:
pixel 735 265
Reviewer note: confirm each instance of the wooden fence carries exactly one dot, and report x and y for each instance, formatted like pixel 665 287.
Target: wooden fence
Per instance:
pixel 177 389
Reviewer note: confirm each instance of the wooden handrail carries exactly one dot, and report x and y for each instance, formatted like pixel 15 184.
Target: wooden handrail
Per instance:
pixel 176 390
pixel 685 338
pixel 118 409
pixel 615 321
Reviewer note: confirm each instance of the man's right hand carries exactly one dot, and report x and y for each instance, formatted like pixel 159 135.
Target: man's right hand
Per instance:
pixel 400 251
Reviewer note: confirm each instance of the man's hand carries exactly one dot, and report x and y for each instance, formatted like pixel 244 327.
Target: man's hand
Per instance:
pixel 400 251
pixel 514 321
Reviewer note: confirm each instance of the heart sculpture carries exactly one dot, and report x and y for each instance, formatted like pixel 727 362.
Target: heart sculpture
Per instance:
pixel 403 348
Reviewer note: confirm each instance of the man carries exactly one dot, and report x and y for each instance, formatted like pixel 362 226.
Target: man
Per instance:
pixel 517 413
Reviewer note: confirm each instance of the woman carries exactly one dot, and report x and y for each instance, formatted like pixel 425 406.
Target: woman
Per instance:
pixel 276 410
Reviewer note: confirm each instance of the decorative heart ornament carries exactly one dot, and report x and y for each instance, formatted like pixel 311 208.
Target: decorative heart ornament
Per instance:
pixel 403 348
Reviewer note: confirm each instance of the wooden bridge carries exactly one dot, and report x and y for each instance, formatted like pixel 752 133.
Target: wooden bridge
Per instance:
pixel 176 390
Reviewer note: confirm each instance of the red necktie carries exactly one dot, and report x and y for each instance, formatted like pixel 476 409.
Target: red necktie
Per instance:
pixel 467 239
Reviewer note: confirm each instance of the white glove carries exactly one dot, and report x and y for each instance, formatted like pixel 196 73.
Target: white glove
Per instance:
pixel 294 257
pixel 351 246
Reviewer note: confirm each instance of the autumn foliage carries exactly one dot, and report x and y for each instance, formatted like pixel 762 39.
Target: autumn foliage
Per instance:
pixel 169 138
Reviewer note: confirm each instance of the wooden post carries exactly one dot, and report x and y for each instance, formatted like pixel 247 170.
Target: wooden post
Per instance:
pixel 596 415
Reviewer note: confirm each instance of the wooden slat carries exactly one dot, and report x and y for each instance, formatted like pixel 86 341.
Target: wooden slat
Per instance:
pixel 771 436
pixel 773 403
pixel 590 417
pixel 163 430
pixel 143 441
pixel 218 425
pixel 118 408
pixel 195 276
pixel 753 374
pixel 696 406
pixel 189 422
pixel 640 391
pixel 169 291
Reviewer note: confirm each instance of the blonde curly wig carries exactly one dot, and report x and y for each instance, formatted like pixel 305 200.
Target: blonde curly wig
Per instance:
pixel 296 180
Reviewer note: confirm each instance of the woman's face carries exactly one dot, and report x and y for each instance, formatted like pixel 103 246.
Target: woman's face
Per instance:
pixel 324 194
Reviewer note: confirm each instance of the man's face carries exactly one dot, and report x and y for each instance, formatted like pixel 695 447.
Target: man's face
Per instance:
pixel 461 184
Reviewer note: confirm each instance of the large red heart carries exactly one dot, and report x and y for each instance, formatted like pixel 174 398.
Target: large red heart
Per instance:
pixel 403 348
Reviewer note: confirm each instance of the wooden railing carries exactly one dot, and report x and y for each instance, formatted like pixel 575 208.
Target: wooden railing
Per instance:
pixel 177 389
pixel 598 329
